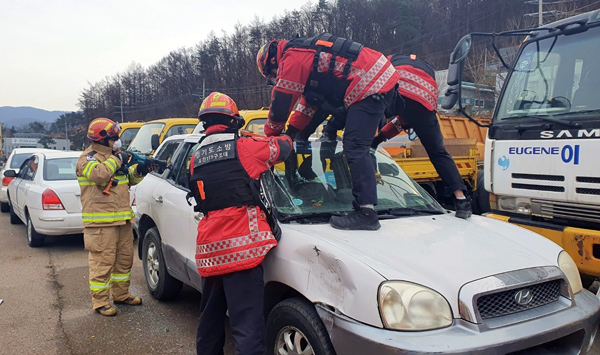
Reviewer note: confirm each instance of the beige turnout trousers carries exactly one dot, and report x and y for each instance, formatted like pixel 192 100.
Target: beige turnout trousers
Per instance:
pixel 110 260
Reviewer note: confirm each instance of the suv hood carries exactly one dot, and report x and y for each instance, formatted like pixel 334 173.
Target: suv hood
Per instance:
pixel 442 251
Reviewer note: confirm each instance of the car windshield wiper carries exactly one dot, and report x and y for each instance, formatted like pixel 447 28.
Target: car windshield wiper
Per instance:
pixel 545 119
pixel 407 211
pixel 312 215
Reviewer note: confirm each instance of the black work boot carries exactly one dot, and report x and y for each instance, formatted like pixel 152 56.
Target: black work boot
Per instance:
pixel 463 207
pixel 360 219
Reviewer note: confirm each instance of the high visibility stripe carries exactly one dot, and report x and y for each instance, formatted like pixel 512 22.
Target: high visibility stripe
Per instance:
pixel 233 257
pixel 290 85
pixel 112 164
pixel 274 126
pixel 106 217
pixel 365 79
pixel 419 92
pixel 98 286
pixel 132 177
pixel 88 168
pixel 418 80
pixel 306 110
pixel 232 243
pixel 121 180
pixel 380 82
pixel 120 277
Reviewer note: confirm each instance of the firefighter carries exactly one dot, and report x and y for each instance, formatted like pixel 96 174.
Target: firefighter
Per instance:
pixel 106 217
pixel 335 72
pixel 419 91
pixel 236 231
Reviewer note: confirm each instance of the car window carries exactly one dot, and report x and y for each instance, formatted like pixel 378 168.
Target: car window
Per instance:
pixel 17 160
pixel 29 168
pixel 180 173
pixel 257 126
pixel 180 129
pixel 166 151
pixel 127 136
pixel 60 169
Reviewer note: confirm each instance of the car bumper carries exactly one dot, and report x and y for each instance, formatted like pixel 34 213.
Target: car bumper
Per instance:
pixel 56 222
pixel 571 330
pixel 3 195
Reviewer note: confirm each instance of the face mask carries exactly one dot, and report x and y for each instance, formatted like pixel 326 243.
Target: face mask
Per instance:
pixel 117 144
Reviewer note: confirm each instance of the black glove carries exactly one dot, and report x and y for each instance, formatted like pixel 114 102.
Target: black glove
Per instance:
pixel 123 157
pixel 377 141
pixel 142 170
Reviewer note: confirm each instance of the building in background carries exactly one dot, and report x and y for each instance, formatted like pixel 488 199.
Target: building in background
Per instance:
pixel 32 140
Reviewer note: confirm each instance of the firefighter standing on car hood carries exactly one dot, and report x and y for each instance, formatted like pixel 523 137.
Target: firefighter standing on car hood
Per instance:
pixel 418 89
pixel 235 235
pixel 106 218
pixel 333 71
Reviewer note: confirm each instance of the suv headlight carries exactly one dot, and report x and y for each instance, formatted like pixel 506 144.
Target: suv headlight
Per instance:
pixel 568 266
pixel 407 306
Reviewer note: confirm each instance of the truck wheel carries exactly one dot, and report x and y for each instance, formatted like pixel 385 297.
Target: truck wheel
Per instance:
pixel 14 219
pixel 161 285
pixel 4 207
pixel 483 197
pixel 294 327
pixel 34 239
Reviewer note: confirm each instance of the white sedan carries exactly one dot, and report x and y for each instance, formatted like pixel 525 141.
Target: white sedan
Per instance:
pixel 45 195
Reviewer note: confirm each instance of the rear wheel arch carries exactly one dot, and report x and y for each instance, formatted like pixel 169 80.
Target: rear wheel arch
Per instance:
pixel 146 222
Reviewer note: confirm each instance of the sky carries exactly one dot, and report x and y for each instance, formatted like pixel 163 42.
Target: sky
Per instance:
pixel 51 50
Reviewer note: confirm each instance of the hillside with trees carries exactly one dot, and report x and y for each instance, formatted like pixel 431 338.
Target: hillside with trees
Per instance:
pixel 175 85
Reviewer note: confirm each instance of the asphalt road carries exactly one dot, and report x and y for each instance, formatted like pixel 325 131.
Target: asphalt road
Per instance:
pixel 46 306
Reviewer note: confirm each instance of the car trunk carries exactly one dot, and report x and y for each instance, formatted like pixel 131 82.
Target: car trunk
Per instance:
pixel 69 193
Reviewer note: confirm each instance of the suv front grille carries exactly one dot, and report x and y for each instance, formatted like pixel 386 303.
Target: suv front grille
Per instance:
pixel 506 302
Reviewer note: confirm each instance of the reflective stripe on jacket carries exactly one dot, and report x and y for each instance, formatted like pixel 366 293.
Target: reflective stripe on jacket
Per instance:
pixel 95 167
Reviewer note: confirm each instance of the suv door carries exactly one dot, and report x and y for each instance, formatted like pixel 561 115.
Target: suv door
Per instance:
pixel 177 222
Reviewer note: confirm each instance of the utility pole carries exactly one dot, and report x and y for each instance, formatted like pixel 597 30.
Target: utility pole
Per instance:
pixel 67 135
pixel 540 19
pixel 121 111
pixel 203 89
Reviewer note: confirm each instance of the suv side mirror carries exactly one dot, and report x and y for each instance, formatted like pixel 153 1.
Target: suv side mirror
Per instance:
pixel 154 140
pixel 10 173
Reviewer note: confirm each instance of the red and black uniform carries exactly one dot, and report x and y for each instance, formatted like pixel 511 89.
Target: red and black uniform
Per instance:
pixel 418 88
pixel 339 72
pixel 234 236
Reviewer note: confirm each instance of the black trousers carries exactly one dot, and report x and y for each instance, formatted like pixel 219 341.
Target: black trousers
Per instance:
pixel 427 127
pixel 362 121
pixel 242 293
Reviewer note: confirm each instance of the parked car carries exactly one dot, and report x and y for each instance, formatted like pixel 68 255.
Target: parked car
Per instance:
pixel 426 282
pixel 45 195
pixel 14 161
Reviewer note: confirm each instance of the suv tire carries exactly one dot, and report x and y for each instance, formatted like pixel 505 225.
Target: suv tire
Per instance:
pixel 297 319
pixel 161 285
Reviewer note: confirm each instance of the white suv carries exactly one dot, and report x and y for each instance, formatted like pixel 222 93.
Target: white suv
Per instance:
pixel 426 282
pixel 14 161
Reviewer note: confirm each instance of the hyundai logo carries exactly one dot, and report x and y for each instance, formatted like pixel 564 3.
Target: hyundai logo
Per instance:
pixel 523 297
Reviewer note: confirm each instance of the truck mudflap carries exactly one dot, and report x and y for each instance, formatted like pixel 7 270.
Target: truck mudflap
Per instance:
pixel 582 244
pixel 567 332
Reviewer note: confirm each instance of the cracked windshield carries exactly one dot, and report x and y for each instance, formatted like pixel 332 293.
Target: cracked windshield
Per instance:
pixel 321 183
pixel 554 78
